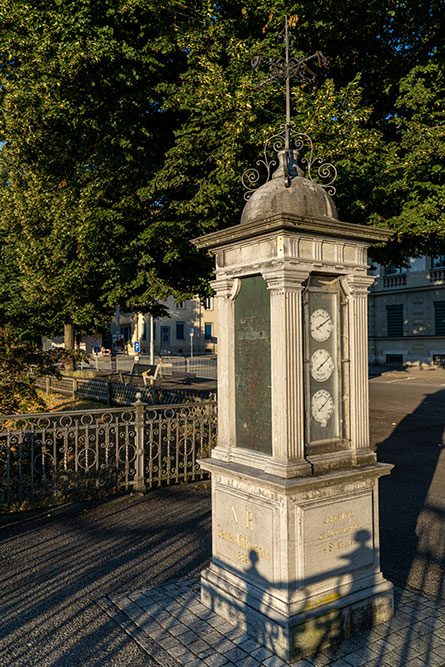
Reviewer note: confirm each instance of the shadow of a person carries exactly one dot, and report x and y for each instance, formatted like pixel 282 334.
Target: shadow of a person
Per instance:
pixel 263 634
pixel 317 630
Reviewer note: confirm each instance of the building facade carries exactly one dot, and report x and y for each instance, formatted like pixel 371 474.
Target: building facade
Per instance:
pixel 189 328
pixel 407 313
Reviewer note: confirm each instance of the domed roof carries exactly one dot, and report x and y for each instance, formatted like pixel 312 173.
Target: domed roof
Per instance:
pixel 303 197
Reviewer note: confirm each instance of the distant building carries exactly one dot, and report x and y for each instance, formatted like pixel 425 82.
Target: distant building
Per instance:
pixel 189 324
pixel 407 313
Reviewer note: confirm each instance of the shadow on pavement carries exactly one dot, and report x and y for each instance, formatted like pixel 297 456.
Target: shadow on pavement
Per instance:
pixel 54 570
pixel 412 526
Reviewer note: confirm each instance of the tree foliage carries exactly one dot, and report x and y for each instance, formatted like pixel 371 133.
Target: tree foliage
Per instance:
pixel 18 359
pixel 128 124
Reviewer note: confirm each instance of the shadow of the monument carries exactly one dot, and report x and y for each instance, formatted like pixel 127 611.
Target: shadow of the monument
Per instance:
pixel 311 614
pixel 412 526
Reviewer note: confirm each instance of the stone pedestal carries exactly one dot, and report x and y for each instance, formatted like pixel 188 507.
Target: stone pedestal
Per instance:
pixel 294 481
pixel 296 561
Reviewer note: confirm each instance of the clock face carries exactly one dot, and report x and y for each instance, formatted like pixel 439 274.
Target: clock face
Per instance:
pixel 322 407
pixel 321 325
pixel 322 365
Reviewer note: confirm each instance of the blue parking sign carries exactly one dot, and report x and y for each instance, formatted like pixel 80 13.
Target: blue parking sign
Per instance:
pixel 137 347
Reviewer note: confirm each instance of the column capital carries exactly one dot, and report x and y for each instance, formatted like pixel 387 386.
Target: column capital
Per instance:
pixel 225 286
pixel 284 279
pixel 356 285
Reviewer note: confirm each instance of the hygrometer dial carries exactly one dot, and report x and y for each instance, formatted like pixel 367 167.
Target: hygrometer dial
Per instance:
pixel 321 325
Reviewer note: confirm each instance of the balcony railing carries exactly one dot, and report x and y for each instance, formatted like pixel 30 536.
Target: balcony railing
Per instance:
pixel 437 276
pixel 46 457
pixel 397 280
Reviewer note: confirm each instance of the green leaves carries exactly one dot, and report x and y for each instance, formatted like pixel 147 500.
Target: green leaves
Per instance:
pixel 129 123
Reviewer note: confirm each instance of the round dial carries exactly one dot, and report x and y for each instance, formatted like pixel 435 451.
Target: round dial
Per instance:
pixel 322 406
pixel 321 325
pixel 322 365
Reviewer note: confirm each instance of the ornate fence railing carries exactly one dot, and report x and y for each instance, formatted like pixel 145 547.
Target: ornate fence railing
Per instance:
pixel 116 393
pixel 46 457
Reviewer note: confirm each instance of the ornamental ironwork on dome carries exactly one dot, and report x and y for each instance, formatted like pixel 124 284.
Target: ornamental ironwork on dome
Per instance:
pixel 302 197
pixel 302 183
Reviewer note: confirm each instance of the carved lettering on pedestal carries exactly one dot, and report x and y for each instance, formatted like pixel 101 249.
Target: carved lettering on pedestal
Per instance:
pixel 240 539
pixel 338 537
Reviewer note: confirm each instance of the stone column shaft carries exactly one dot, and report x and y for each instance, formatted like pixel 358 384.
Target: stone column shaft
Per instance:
pixel 286 323
pixel 356 288
pixel 224 289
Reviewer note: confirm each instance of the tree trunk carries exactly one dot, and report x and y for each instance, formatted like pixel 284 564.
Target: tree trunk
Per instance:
pixel 68 333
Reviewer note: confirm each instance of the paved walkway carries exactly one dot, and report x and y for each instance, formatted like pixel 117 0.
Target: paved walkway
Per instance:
pixel 171 625
pixel 115 584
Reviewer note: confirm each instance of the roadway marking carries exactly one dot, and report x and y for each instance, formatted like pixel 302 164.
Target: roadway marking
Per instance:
pixel 401 379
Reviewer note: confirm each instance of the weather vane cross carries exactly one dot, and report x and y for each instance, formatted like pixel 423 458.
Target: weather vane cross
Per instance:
pixel 289 139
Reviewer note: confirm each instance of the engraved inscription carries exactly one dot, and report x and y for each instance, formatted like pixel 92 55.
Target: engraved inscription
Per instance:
pixel 338 537
pixel 252 366
pixel 239 538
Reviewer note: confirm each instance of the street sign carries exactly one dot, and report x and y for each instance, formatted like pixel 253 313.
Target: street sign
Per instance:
pixel 137 347
pixel 192 332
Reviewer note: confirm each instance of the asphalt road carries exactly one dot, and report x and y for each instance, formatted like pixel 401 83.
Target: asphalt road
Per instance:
pixel 54 566
pixel 407 427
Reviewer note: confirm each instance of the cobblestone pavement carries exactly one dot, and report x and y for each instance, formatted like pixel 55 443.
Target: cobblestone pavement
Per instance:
pixel 173 627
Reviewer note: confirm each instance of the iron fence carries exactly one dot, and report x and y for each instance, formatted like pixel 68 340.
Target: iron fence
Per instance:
pixel 117 393
pixel 50 456
pixel 202 367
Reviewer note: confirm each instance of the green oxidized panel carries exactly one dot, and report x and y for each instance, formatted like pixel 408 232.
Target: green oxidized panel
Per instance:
pixel 252 366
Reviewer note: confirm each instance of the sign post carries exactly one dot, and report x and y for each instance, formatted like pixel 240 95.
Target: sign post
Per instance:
pixel 137 349
pixel 192 333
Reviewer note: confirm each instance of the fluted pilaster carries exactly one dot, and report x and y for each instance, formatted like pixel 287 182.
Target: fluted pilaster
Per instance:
pixel 225 290
pixel 356 288
pixel 285 287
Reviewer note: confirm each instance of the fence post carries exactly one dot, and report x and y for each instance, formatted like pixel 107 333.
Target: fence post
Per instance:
pixel 139 409
pixel 74 387
pixel 48 384
pixel 109 394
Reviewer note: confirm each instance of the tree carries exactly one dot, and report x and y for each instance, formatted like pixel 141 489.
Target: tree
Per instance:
pixel 129 124
pixel 364 117
pixel 18 358
pixel 411 190
pixel 82 133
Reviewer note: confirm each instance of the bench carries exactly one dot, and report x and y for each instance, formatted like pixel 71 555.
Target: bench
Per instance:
pixel 148 372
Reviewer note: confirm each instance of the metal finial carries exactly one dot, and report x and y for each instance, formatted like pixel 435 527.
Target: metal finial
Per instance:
pixel 288 139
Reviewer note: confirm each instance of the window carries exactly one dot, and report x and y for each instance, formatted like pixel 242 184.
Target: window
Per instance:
pixel 180 328
pixel 208 303
pixel 126 332
pixel 439 318
pixel 438 262
pixel 208 330
pixel 394 358
pixel 180 305
pixel 394 318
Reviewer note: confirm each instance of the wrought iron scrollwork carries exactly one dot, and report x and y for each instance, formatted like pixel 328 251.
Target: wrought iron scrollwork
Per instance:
pixel 297 146
pixel 299 155
pixel 294 68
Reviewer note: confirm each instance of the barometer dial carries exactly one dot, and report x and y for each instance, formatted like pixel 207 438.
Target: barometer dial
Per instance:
pixel 321 325
pixel 322 407
pixel 322 365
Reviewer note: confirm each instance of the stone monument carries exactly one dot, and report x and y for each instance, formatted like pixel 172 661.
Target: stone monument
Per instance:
pixel 295 552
